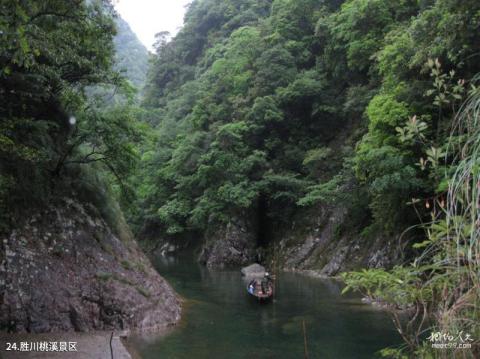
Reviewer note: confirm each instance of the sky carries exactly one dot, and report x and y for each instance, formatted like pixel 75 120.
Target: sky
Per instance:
pixel 148 17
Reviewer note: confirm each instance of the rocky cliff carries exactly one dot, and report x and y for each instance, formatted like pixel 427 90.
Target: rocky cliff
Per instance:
pixel 323 247
pixel 315 240
pixel 65 270
pixel 233 244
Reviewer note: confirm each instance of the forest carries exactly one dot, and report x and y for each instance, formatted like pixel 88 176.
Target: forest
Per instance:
pixel 265 111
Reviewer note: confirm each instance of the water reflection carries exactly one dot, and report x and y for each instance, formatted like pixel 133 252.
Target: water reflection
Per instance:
pixel 222 321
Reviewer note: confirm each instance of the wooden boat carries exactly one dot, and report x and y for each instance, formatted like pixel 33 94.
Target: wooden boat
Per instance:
pixel 262 289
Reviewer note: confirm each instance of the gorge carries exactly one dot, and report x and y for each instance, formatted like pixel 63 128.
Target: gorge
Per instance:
pixel 336 138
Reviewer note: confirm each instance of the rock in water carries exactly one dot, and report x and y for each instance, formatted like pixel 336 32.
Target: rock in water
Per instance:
pixel 254 270
pixel 65 270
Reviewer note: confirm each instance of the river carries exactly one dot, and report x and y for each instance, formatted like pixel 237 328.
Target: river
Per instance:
pixel 220 320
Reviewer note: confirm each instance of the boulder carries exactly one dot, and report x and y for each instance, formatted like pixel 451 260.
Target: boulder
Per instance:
pixel 253 270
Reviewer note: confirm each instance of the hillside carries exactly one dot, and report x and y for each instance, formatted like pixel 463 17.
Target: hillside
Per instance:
pixel 294 123
pixel 68 261
pixel 323 136
pixel 131 56
pixel 339 138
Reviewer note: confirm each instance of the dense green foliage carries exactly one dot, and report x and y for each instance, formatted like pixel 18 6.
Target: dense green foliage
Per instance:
pixel 267 108
pixel 237 114
pixel 267 102
pixel 50 130
pixel 283 105
pixel 442 282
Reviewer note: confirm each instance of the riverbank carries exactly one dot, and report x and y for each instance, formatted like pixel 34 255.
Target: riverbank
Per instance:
pixel 65 269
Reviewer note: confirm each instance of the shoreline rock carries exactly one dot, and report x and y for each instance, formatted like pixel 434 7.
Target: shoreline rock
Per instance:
pixel 316 242
pixel 65 270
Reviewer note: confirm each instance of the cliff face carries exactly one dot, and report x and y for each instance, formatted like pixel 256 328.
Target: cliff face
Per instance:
pixel 315 240
pixel 65 270
pixel 233 244
pixel 322 247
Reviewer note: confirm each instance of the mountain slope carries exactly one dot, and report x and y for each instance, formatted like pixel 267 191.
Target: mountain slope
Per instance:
pixel 131 57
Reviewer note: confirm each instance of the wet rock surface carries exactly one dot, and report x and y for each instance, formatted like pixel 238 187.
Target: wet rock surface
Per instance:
pixel 319 247
pixel 65 270
pixel 232 245
pixel 315 240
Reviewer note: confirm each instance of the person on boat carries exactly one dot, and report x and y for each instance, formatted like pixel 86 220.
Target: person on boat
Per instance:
pixel 251 287
pixel 266 283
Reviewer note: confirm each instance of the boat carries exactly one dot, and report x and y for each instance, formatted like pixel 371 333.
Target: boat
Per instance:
pixel 262 289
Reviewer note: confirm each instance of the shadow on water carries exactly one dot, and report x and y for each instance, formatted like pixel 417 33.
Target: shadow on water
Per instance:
pixel 222 321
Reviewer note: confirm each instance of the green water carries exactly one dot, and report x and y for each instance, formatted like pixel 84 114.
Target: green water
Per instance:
pixel 222 321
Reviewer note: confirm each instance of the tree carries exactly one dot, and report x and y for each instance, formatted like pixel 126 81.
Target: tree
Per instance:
pixel 52 51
